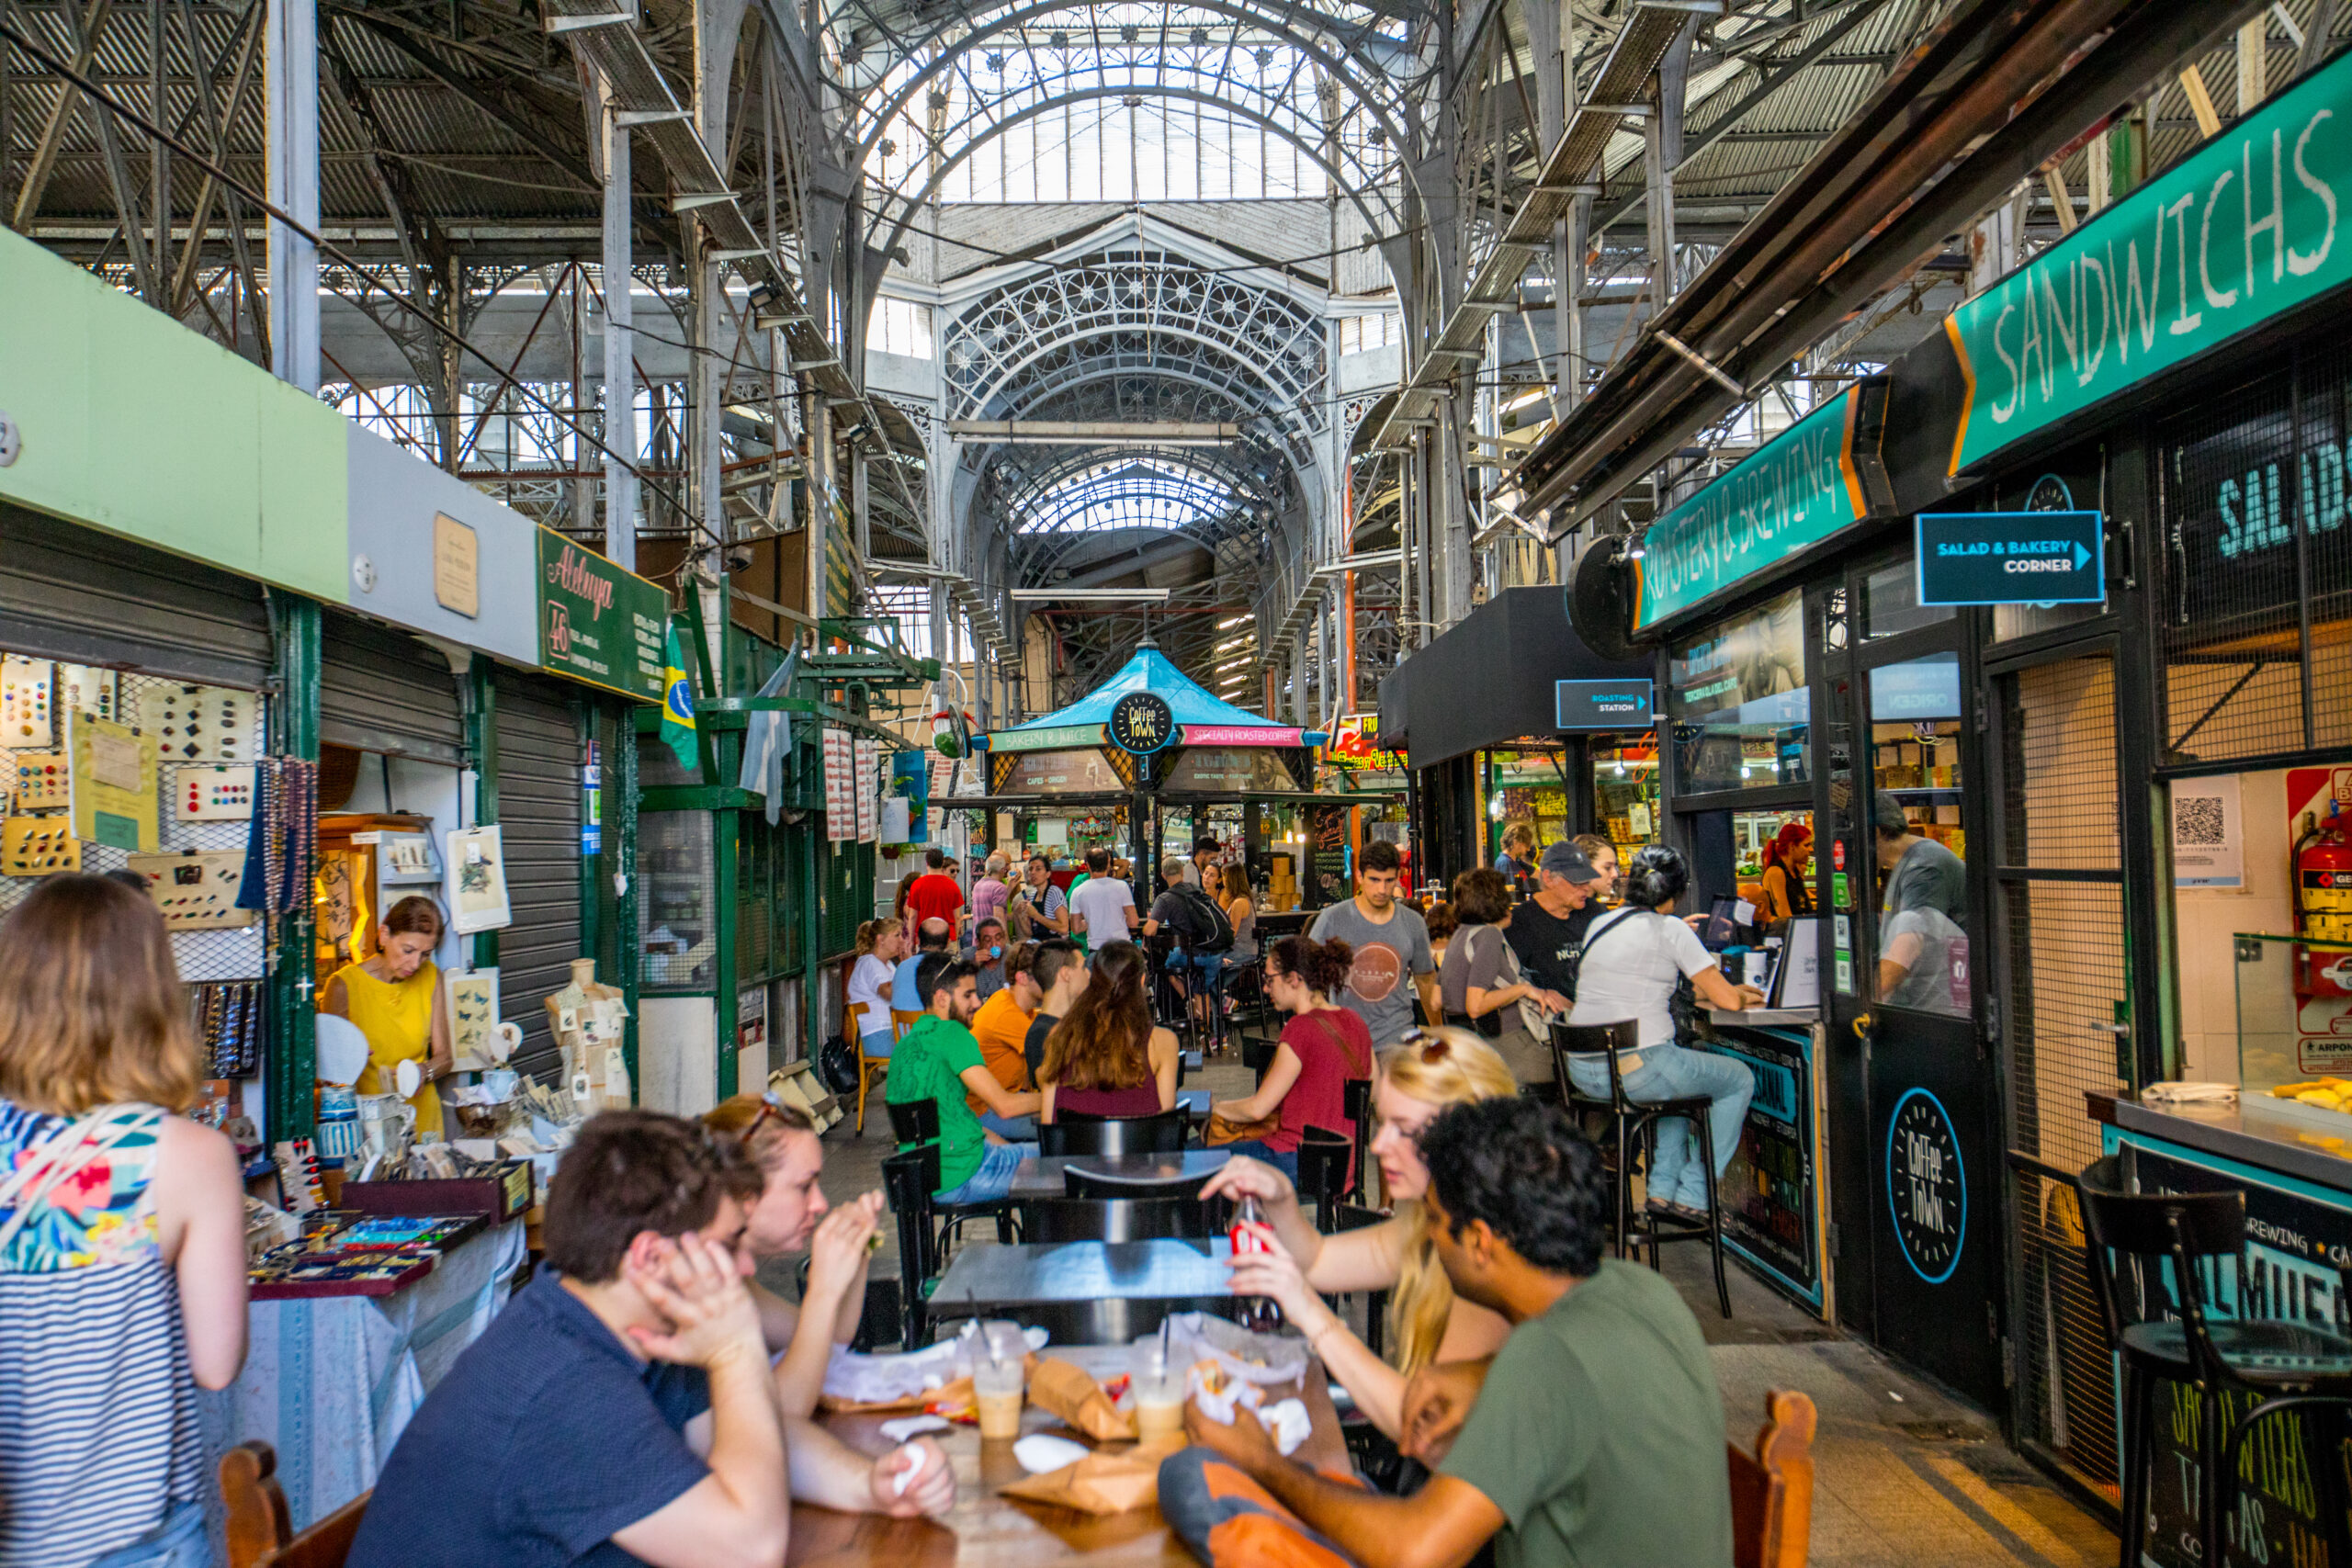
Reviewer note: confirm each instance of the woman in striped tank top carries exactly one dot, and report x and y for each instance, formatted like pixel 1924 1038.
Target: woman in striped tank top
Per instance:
pixel 122 1253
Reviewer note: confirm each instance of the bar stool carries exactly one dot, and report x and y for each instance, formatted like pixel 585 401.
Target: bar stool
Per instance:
pixel 2168 1336
pixel 1633 1125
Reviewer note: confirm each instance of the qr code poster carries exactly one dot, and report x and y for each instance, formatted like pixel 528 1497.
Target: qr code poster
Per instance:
pixel 2208 838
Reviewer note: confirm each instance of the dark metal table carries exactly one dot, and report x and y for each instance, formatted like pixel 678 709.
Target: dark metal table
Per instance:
pixel 1086 1292
pixel 1044 1176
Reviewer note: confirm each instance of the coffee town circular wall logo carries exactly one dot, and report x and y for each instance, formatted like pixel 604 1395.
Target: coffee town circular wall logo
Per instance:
pixel 1926 1186
pixel 1142 721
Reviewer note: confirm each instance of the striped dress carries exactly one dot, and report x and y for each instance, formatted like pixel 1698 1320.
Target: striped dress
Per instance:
pixel 99 1438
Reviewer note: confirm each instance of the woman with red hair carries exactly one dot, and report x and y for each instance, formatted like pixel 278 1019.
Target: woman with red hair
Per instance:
pixel 1788 874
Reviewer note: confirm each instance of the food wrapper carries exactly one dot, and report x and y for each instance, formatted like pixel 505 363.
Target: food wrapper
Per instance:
pixel 1061 1388
pixel 952 1400
pixel 1218 1396
pixel 1104 1482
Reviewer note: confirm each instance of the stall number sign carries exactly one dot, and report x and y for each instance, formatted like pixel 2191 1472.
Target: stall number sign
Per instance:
pixel 597 623
pixel 1142 722
pixel 1926 1186
pixel 1602 705
pixel 2012 558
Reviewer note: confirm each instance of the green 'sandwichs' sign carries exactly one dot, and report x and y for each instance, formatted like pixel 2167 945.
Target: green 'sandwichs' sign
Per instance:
pixel 2243 229
pixel 1792 492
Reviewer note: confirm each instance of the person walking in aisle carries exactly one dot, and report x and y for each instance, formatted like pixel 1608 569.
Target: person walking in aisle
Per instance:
pixel 122 1239
pixel 1389 941
pixel 1103 908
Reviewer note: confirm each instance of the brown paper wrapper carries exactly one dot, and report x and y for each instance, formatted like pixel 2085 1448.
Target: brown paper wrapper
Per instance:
pixel 1062 1390
pixel 1102 1484
pixel 944 1400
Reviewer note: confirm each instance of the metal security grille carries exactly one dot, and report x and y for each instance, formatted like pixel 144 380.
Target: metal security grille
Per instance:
pixel 2257 638
pixel 381 690
pixel 540 755
pixel 2059 893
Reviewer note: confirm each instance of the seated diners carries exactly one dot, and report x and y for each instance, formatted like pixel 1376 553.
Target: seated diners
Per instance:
pixel 552 1440
pixel 1323 1045
pixel 1059 969
pixel 1001 1026
pixel 1480 981
pixel 1594 1435
pixel 880 946
pixel 793 1216
pixel 939 1061
pixel 1428 1323
pixel 1106 1057
pixel 1633 957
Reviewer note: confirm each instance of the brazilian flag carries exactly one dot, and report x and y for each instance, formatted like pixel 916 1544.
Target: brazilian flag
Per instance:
pixel 677 702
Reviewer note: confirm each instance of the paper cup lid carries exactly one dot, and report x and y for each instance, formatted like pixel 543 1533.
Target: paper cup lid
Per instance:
pixel 408 1077
pixel 342 1050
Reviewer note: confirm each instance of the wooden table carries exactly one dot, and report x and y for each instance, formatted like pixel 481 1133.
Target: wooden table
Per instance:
pixel 1045 1176
pixel 985 1530
pixel 1086 1292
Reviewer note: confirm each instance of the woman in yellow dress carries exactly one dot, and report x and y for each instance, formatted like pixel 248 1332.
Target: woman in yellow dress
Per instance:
pixel 395 997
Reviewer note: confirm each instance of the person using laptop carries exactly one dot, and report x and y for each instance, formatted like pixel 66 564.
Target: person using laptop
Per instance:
pixel 1635 957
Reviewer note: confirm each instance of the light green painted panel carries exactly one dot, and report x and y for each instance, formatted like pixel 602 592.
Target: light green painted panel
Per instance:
pixel 135 424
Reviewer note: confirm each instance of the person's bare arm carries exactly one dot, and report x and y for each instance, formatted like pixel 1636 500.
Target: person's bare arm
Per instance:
pixel 830 1474
pixel 1721 994
pixel 335 999
pixel 1163 1054
pixel 1479 1001
pixel 1241 1177
pixel 829 1305
pixel 737 1516
pixel 1432 1002
pixel 1442 1526
pixel 441 1046
pixel 779 1319
pixel 1010 1104
pixel 200 1218
pixel 1132 918
pixel 1437 1402
pixel 1269 1097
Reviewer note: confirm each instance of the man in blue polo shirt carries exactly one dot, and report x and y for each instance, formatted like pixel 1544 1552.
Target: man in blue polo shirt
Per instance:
pixel 620 1409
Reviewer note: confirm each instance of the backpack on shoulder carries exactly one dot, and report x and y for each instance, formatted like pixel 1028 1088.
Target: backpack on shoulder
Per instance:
pixel 1203 927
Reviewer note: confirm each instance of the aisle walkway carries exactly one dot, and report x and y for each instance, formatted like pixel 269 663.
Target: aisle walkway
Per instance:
pixel 1907 1477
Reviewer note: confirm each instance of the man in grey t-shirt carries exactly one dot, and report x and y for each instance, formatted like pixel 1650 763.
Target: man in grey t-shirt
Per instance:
pixel 1920 873
pixel 1390 943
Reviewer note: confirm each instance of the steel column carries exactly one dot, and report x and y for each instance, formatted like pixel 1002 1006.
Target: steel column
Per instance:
pixel 291 75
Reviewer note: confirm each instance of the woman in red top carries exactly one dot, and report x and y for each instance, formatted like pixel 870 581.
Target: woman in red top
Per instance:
pixel 1323 1045
pixel 1105 1057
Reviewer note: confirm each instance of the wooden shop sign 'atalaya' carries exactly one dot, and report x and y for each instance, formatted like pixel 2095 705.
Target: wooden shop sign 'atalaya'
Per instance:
pixel 2242 229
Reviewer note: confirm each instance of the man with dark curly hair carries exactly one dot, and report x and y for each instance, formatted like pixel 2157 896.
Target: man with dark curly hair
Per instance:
pixel 1594 1437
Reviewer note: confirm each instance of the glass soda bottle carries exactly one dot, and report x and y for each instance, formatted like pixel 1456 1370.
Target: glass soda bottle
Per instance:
pixel 1258 1314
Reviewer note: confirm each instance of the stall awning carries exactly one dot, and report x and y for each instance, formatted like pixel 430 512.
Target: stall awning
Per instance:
pixel 1489 679
pixel 1149 670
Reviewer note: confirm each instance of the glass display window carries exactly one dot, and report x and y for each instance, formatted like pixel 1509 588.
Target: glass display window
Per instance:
pixel 1625 795
pixel 1741 712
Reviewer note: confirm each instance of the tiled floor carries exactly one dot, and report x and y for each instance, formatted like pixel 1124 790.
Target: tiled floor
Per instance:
pixel 1905 1476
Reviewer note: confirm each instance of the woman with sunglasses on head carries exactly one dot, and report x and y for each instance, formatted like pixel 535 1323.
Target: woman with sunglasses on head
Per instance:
pixel 1323 1045
pixel 1427 1323
pixel 792 1216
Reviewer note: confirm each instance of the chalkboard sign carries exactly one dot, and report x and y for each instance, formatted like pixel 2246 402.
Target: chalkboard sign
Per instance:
pixel 2293 1244
pixel 1327 856
pixel 1770 1208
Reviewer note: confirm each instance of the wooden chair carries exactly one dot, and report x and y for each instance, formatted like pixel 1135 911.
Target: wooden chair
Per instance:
pixel 261 1532
pixel 1772 1487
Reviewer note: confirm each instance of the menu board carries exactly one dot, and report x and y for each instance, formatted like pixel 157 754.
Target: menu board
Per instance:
pixel 1235 768
pixel 1060 772
pixel 1771 1205
pixel 2291 1242
pixel 1327 856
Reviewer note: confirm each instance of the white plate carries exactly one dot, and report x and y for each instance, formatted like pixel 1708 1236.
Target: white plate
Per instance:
pixel 342 1050
pixel 407 1079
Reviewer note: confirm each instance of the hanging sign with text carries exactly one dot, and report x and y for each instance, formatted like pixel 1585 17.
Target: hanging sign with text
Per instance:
pixel 597 623
pixel 1602 705
pixel 2240 230
pixel 2012 558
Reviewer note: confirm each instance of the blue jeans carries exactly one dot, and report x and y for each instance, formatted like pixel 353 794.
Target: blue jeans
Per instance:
pixel 1676 1072
pixel 993 1179
pixel 180 1541
pixel 1206 977
pixel 1019 1130
pixel 878 1043
pixel 1252 1148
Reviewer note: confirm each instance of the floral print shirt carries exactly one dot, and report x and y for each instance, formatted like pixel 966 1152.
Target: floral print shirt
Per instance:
pixel 102 1215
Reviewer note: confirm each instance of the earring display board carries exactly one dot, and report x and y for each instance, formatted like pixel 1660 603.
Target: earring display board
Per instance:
pixel 477 882
pixel 196 890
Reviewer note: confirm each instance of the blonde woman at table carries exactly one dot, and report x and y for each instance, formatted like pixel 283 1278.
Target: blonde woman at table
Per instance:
pixel 396 1000
pixel 122 1239
pixel 790 1216
pixel 1433 1069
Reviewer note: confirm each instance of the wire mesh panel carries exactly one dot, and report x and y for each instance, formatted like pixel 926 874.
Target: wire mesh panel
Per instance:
pixel 2066 981
pixel 206 739
pixel 2066 1383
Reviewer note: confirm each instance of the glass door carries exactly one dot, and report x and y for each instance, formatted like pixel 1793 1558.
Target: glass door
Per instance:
pixel 1912 1201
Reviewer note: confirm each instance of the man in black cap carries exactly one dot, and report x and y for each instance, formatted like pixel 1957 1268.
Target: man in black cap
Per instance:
pixel 1547 931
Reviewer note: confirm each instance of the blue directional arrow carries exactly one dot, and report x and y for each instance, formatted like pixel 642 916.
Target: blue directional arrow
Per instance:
pixel 2082 558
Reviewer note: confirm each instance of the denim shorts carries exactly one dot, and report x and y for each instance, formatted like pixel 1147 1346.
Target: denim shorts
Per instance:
pixel 180 1541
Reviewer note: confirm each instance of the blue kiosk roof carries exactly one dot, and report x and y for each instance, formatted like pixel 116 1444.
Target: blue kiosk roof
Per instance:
pixel 1149 670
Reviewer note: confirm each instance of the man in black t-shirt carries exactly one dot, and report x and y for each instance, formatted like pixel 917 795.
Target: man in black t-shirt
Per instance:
pixel 1061 971
pixel 1547 931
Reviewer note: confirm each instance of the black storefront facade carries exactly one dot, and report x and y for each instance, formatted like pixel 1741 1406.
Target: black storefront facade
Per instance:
pixel 2059 751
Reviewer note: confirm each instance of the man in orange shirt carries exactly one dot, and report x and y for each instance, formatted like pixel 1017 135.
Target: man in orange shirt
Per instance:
pixel 935 896
pixel 1001 1026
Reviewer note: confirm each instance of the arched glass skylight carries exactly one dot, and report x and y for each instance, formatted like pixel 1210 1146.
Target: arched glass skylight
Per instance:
pixel 1131 491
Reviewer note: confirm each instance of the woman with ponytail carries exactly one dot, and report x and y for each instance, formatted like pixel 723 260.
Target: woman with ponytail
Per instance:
pixel 880 946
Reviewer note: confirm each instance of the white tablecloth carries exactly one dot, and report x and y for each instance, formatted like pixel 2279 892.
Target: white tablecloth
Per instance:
pixel 330 1383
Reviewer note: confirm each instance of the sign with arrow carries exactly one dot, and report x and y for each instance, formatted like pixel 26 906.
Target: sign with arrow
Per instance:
pixel 2012 558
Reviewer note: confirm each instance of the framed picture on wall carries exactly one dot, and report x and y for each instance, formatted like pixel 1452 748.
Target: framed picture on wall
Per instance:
pixel 477 882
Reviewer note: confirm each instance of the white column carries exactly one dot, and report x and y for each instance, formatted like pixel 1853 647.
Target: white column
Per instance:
pixel 291 77
pixel 620 371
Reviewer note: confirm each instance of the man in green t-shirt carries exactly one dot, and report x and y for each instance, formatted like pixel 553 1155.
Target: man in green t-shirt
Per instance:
pixel 1596 1441
pixel 938 1059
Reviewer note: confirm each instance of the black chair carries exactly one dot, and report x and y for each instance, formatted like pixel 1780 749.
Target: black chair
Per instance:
pixel 1323 1157
pixel 1354 1217
pixel 1633 1126
pixel 908 1179
pixel 1356 1099
pixel 1079 1183
pixel 916 1123
pixel 1072 1132
pixel 1114 1219
pixel 2167 1249
pixel 1257 1053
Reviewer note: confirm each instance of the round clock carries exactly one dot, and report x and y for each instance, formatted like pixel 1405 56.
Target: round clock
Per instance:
pixel 1926 1187
pixel 1142 722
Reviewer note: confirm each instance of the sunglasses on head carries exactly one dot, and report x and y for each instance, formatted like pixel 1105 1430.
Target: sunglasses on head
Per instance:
pixel 1434 1048
pixel 769 1106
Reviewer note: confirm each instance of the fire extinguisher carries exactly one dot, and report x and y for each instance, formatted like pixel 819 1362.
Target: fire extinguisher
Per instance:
pixel 2324 878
